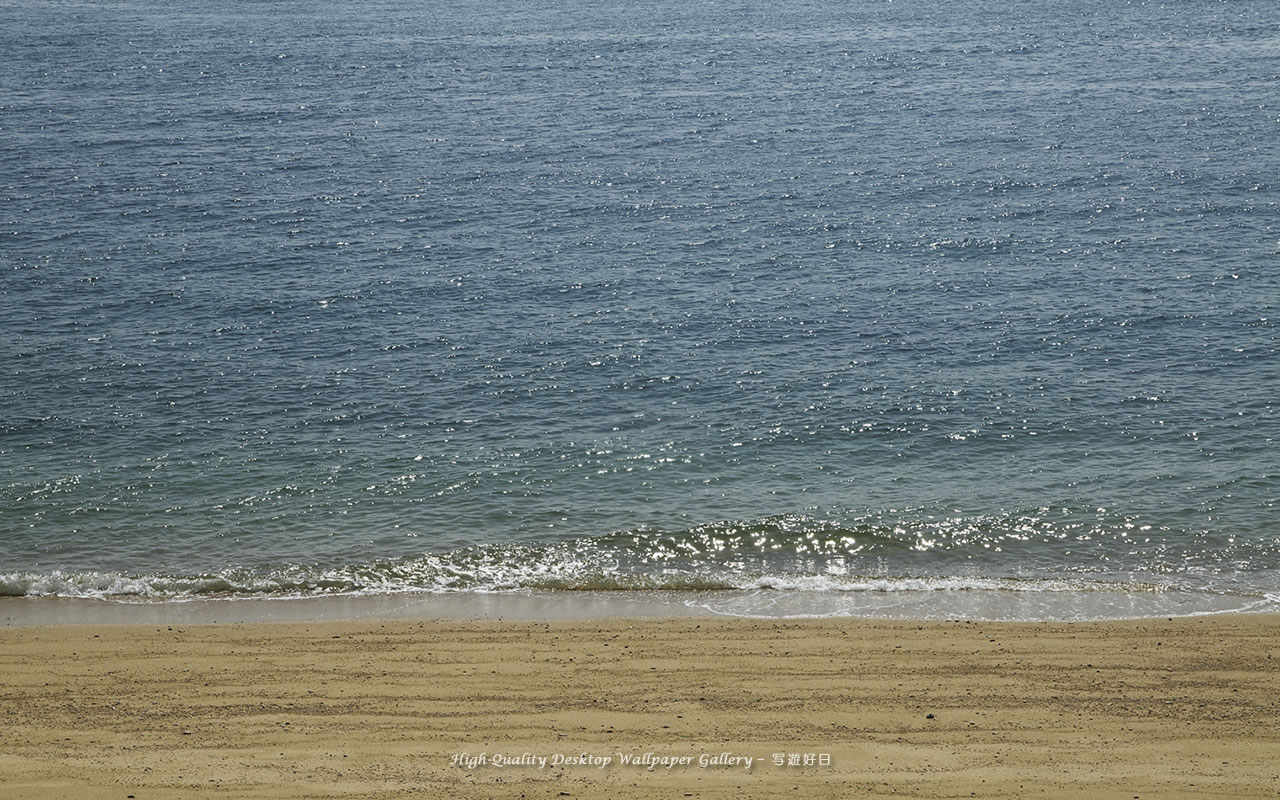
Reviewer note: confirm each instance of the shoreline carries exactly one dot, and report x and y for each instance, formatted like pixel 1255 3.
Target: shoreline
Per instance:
pixel 401 708
pixel 935 605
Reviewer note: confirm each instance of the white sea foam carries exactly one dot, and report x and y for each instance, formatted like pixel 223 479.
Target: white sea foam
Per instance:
pixel 770 596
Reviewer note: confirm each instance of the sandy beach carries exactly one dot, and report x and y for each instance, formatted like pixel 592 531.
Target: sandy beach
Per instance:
pixel 640 708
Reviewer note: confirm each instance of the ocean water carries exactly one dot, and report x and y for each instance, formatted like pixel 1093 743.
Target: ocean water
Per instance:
pixel 819 305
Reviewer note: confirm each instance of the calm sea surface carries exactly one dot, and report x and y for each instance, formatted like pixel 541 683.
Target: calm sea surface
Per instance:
pixel 792 297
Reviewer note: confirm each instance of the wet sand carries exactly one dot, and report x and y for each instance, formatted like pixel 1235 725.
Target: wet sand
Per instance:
pixel 448 708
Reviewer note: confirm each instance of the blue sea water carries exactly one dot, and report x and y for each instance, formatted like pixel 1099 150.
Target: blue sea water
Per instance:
pixel 810 298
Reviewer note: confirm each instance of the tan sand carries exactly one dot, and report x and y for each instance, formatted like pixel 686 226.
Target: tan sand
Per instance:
pixel 1149 709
